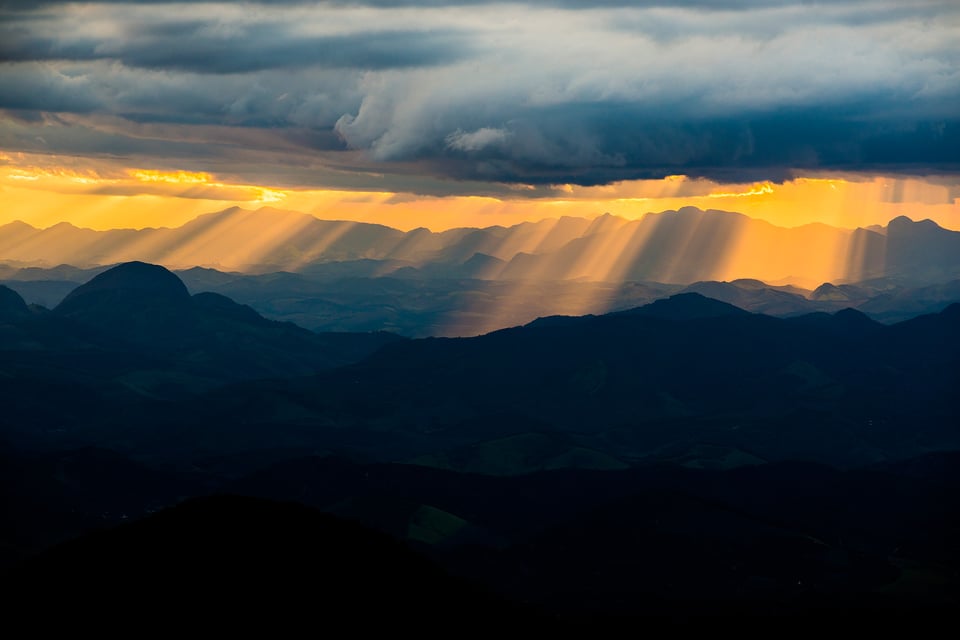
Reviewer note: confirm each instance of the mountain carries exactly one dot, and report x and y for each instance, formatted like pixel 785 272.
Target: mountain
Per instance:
pixel 686 306
pixel 132 338
pixel 270 240
pixel 132 301
pixel 149 308
pixel 677 247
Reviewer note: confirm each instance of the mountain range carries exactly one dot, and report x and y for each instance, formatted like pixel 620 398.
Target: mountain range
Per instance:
pixel 674 247
pixel 201 374
pixel 420 307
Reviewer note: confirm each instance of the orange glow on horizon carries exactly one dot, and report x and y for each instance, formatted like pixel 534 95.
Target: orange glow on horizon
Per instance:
pixel 572 242
pixel 43 191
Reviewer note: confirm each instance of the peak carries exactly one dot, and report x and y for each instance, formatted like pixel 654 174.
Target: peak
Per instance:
pixel 905 223
pixel 749 283
pixel 482 259
pixel 19 224
pixel 139 277
pixel 830 292
pixel 687 306
pixel 63 226
pixel 900 220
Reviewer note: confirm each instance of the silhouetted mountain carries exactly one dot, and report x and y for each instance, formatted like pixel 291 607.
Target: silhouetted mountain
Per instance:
pixel 686 306
pixel 136 279
pixel 921 251
pixel 682 306
pixel 134 301
pixel 149 308
pixel 132 337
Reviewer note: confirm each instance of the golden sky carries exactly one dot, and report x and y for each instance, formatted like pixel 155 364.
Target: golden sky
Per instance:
pixel 45 190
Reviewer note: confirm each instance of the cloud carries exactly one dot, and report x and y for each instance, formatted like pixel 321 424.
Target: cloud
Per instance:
pixel 477 140
pixel 209 46
pixel 535 93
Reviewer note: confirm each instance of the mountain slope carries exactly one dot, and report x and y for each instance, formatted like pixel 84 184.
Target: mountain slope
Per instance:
pixel 12 306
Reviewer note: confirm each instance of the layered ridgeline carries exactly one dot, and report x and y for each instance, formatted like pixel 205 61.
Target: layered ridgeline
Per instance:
pixel 453 306
pixel 677 247
pixel 684 376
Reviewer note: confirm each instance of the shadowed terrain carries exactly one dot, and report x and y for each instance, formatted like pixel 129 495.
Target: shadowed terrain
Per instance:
pixel 685 457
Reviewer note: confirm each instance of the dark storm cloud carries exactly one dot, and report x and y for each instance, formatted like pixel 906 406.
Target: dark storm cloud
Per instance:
pixel 187 46
pixel 529 92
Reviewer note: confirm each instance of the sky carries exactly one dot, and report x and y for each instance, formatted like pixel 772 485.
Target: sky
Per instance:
pixel 466 113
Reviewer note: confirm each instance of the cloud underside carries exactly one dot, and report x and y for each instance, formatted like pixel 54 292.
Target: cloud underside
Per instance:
pixel 383 94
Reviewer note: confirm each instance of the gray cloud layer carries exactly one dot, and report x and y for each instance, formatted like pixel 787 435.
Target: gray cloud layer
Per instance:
pixel 532 92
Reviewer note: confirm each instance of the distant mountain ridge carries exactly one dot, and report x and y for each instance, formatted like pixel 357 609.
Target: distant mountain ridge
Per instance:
pixel 679 247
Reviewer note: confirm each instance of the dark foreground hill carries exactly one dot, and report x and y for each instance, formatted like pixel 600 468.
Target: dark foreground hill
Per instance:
pixel 235 561
pixel 578 546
